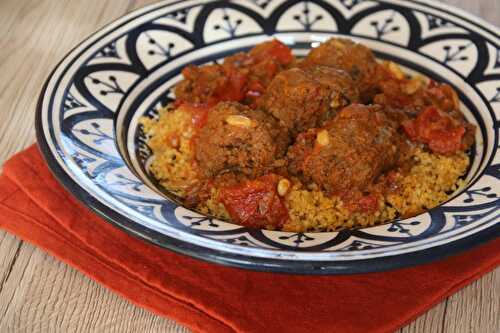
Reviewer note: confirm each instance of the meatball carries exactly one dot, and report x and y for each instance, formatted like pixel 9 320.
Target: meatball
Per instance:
pixel 354 58
pixel 240 140
pixel 301 99
pixel 349 152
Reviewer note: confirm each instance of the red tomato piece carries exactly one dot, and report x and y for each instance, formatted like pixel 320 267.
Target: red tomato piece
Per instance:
pixel 281 52
pixel 234 87
pixel 275 50
pixel 368 203
pixel 436 129
pixel 271 69
pixel 199 113
pixel 216 83
pixel 356 201
pixel 447 142
pixel 443 96
pixel 255 203
pixel 255 89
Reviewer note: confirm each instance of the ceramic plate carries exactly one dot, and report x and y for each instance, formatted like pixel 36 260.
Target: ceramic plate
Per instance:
pixel 88 130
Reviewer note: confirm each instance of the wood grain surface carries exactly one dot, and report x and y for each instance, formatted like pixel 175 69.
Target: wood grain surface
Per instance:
pixel 41 294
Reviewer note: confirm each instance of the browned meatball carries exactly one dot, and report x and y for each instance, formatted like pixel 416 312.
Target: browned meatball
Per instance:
pixel 240 140
pixel 354 58
pixel 349 152
pixel 302 99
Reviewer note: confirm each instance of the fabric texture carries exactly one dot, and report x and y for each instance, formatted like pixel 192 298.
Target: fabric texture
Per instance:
pixel 212 298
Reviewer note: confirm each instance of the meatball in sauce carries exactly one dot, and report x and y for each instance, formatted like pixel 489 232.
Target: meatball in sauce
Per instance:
pixel 304 98
pixel 349 151
pixel 356 59
pixel 237 139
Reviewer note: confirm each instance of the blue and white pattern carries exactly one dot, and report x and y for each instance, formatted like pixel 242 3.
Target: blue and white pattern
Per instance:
pixel 88 121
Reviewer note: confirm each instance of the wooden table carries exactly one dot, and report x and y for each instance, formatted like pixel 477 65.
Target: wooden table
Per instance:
pixel 41 294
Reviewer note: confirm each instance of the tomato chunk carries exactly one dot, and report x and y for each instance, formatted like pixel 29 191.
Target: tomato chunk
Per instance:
pixel 211 84
pixel 241 78
pixel 199 113
pixel 274 50
pixel 437 129
pixel 255 89
pixel 234 87
pixel 368 203
pixel 255 203
pixel 443 96
pixel 358 202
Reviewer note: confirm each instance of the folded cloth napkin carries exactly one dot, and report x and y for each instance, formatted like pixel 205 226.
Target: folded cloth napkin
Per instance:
pixel 211 298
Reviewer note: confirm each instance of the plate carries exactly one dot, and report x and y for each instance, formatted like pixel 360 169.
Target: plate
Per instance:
pixel 88 130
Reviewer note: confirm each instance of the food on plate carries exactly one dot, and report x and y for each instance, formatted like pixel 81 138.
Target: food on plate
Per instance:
pixel 332 141
pixel 241 77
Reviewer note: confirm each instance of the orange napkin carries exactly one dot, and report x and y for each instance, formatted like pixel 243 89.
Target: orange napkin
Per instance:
pixel 211 298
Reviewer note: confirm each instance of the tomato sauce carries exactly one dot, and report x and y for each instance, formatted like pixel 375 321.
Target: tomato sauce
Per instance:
pixel 368 203
pixel 211 84
pixel 199 113
pixel 255 203
pixel 442 95
pixel 234 87
pixel 436 129
pixel 274 50
pixel 356 201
